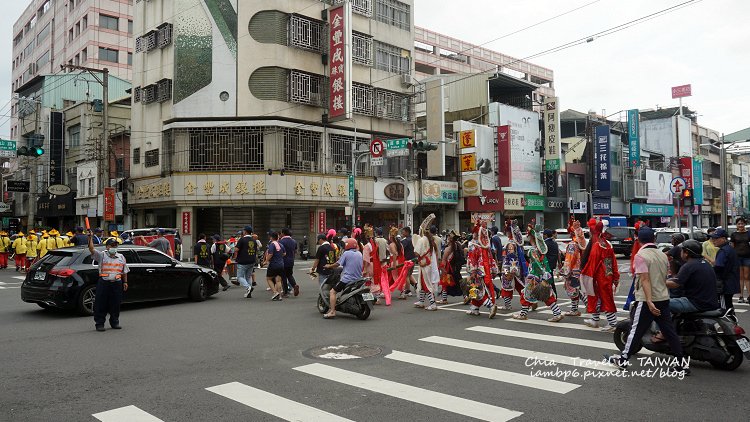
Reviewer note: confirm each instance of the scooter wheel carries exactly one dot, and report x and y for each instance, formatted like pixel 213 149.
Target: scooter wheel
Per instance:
pixel 622 331
pixel 322 307
pixel 734 360
pixel 364 312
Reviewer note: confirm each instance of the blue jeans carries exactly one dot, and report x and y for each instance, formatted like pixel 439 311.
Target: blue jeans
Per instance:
pixel 681 305
pixel 244 274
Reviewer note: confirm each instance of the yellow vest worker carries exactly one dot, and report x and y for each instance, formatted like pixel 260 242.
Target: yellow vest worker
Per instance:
pixel 55 241
pixel 42 246
pixel 115 236
pixel 5 249
pixel 31 248
pixel 19 247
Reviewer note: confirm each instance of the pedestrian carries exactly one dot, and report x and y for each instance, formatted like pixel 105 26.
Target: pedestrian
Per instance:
pixel 219 255
pixel 5 249
pixel 351 263
pixel 709 248
pixel 727 268
pixel 161 243
pixel 740 240
pixel 482 270
pixel 497 244
pixel 114 235
pixel 553 253
pixel 258 251
pixel 696 279
pixel 571 269
pixel 54 241
pixel 324 255
pixel 79 239
pixel 112 283
pixel 451 264
pixel 397 260
pixel 675 254
pixel 290 246
pixel 274 262
pixel 98 233
pixel 599 277
pixel 202 252
pixel 633 251
pixel 42 244
pixel 409 255
pixel 245 256
pixel 31 249
pixel 20 248
pixel 651 302
pixel 126 239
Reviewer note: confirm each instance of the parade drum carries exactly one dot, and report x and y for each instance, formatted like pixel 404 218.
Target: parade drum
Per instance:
pixel 509 276
pixel 572 285
pixel 535 291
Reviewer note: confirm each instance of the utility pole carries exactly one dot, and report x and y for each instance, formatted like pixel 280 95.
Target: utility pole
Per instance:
pixel 723 182
pixel 33 177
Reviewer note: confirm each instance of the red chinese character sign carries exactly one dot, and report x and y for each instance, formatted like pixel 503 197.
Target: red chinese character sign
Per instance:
pixel 109 204
pixel 186 222
pixel 340 62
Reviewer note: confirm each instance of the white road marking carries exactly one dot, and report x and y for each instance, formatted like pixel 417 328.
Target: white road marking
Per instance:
pixel 540 383
pixel 457 405
pixel 522 353
pixel 544 337
pixel 126 414
pixel 272 404
pixel 19 277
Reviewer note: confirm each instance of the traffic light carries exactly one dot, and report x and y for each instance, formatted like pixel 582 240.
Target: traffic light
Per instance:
pixel 30 151
pixel 424 146
pixel 687 198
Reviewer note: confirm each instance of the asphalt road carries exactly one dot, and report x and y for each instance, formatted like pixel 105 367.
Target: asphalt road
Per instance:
pixel 237 359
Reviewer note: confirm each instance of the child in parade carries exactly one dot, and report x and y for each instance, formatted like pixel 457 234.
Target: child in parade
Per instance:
pixel 538 287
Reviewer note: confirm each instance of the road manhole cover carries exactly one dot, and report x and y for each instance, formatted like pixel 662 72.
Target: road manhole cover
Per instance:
pixel 344 351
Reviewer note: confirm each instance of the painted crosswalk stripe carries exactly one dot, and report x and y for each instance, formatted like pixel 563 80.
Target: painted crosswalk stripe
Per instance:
pixel 19 277
pixel 544 337
pixel 539 383
pixel 272 404
pixel 457 405
pixel 126 414
pixel 583 315
pixel 522 353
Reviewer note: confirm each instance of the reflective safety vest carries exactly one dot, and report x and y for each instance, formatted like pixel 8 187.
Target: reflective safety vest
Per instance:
pixel 111 270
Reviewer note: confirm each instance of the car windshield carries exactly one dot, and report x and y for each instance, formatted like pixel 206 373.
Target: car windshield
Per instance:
pixel 664 237
pixel 563 236
pixel 619 232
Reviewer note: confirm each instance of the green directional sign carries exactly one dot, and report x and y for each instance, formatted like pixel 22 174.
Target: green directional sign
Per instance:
pixel 7 148
pixel 397 147
pixel 351 188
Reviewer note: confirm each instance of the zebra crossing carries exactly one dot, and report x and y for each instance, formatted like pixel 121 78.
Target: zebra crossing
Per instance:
pixel 501 343
pixel 11 285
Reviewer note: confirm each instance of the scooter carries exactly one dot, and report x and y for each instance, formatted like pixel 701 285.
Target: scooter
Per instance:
pixel 304 249
pixel 710 336
pixel 355 299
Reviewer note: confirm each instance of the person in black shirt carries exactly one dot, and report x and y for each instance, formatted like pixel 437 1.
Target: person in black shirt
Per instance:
pixel 727 268
pixel 409 255
pixel 696 279
pixel 80 239
pixel 497 244
pixel 202 252
pixel 245 255
pixel 741 243
pixel 322 258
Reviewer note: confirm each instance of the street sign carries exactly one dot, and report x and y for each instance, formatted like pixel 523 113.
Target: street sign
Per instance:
pixel 397 147
pixel 7 148
pixel 4 207
pixel 58 190
pixel 351 188
pixel 677 185
pixel 377 148
pixel 16 186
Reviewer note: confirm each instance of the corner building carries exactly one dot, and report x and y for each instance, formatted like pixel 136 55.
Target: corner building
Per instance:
pixel 230 105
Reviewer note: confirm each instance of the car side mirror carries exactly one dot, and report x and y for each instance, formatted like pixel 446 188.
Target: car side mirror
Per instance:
pixel 174 263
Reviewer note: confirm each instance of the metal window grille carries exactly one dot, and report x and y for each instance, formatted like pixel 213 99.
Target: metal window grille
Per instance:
pixel 137 94
pixel 341 155
pixel 140 44
pixel 136 156
pixel 164 35
pixel 390 59
pixel 148 95
pixel 306 33
pixel 301 150
pixel 222 149
pixel 152 158
pixel 362 99
pixel 307 88
pixel 150 40
pixel 164 90
pixel 391 105
pixel 394 13
pixel 362 49
pixel 363 7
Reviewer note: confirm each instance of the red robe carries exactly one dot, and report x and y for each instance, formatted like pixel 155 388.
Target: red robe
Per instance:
pixel 602 268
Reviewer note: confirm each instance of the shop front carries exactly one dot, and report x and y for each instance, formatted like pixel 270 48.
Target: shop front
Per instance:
pixel 93 208
pixel 488 207
pixel 556 212
pixel 387 207
pixel 656 215
pixel 57 211
pixel 440 198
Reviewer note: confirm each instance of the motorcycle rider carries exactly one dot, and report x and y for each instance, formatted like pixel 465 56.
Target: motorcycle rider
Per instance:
pixel 651 301
pixel 351 262
pixel 696 279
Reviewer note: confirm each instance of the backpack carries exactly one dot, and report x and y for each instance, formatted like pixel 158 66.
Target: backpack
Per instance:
pixel 221 251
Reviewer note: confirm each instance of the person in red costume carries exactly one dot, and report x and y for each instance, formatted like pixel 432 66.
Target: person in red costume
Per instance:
pixel 482 269
pixel 599 276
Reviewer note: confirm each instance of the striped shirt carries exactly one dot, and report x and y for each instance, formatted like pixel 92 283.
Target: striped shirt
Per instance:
pixel 111 268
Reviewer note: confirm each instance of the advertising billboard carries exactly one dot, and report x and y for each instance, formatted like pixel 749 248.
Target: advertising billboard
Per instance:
pixel 658 187
pixel 526 145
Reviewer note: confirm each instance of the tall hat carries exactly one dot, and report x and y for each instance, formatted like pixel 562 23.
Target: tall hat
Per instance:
pixel 536 239
pixel 516 234
pixel 20 234
pixel 393 232
pixel 424 228
pixel 54 232
pixel 369 231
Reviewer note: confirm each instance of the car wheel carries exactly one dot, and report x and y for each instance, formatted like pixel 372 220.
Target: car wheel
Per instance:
pixel 85 305
pixel 198 289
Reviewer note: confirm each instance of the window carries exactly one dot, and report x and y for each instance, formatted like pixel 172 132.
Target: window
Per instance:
pixel 74 135
pixel 17 40
pixel 154 257
pixel 362 49
pixel 44 33
pixel 42 60
pixel 152 158
pixel 84 23
pixel 391 59
pixel 130 59
pixel 84 56
pixel 394 13
pixel 362 97
pixel 78 28
pixel 391 105
pixel 108 55
pixel 222 149
pixel 77 60
pixel 137 94
pixel 306 88
pixel 44 9
pixel 130 26
pixel 109 22
pixel 163 35
pixel 29 49
pixel 136 156
pixel 164 90
pixel 363 7
pixel 119 167
pixel 301 149
pixel 148 94
pixel 305 33
pixel 90 183
pixel 70 35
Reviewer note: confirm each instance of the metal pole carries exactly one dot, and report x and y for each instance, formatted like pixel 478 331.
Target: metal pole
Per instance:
pixel 723 182
pixel 105 129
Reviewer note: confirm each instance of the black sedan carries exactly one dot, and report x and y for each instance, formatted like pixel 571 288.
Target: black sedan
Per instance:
pixel 66 279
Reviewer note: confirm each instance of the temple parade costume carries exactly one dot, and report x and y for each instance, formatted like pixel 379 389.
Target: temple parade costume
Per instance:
pixel 538 281
pixel 482 269
pixel 429 276
pixel 512 273
pixel 599 276
pixel 571 270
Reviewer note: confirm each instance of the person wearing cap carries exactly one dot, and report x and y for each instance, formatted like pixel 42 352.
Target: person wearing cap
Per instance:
pixel 31 249
pixel 19 247
pixel 114 235
pixel 161 243
pixel 126 240
pixel 54 241
pixel 274 260
pixel 245 256
pixel 5 249
pixel 351 264
pixel 98 233
pixel 112 284
pixel 727 269
pixel 651 301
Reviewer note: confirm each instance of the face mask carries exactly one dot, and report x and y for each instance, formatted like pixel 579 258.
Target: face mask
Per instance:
pixel 112 251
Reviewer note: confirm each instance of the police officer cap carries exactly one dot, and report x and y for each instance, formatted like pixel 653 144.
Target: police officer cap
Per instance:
pixel 249 229
pixel 111 242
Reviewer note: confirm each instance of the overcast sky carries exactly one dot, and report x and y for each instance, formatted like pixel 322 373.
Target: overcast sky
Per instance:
pixel 704 44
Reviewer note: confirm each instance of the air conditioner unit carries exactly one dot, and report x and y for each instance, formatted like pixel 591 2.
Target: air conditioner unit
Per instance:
pixel 637 189
pixel 309 166
pixel 407 80
pixel 339 168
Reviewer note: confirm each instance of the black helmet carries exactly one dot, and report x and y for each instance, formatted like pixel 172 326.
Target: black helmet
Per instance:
pixel 693 248
pixel 678 238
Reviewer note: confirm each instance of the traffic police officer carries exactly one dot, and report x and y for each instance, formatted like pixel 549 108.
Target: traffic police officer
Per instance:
pixel 113 281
